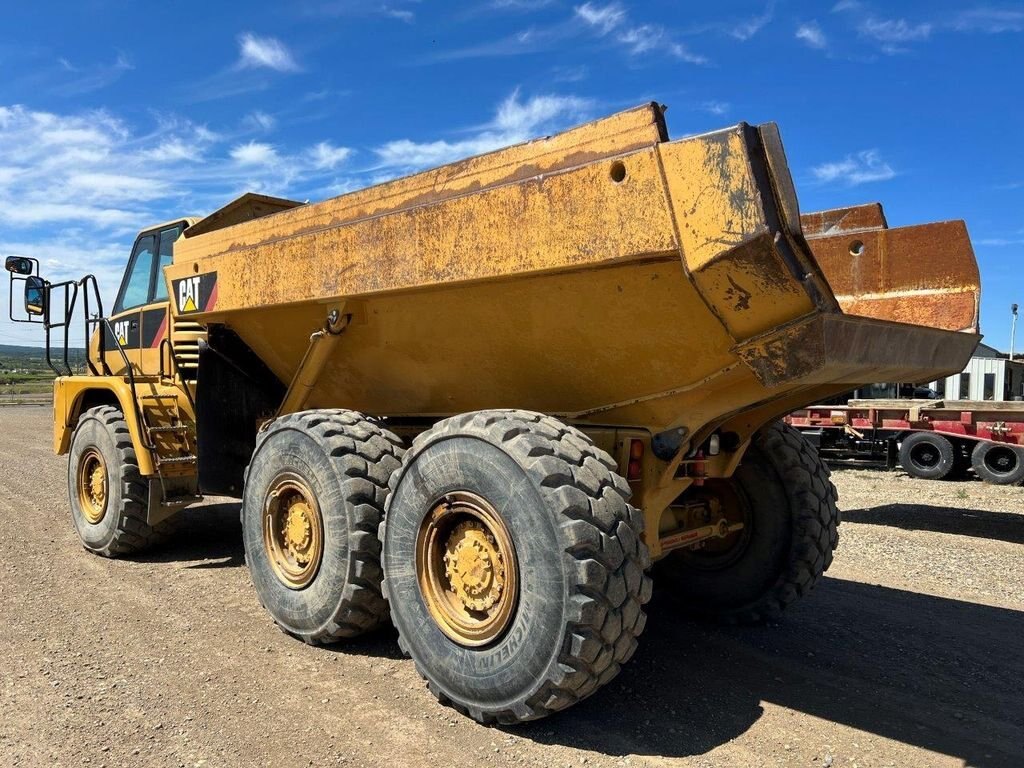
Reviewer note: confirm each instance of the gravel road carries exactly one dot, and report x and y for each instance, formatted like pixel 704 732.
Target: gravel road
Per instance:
pixel 909 653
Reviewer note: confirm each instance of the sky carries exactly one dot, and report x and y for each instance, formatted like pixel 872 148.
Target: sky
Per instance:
pixel 115 116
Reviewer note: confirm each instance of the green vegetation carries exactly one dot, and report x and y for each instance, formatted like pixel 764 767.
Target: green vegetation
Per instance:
pixel 25 376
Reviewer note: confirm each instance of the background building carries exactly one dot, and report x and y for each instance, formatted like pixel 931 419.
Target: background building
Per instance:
pixel 989 375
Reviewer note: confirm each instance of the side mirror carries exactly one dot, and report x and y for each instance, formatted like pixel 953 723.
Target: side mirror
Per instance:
pixel 19 265
pixel 35 295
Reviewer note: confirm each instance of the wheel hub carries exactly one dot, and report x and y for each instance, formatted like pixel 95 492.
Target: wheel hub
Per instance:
pixel 466 568
pixel 293 531
pixel 298 531
pixel 92 486
pixel 474 566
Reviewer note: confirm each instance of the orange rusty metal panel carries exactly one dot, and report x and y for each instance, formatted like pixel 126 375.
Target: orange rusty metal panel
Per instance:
pixel 854 218
pixel 926 275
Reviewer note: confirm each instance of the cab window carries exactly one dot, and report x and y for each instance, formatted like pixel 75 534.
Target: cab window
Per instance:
pixel 167 238
pixel 135 289
pixel 144 281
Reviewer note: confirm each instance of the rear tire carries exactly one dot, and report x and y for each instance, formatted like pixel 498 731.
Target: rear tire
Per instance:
pixel 927 455
pixel 108 496
pixel 791 530
pixel 314 495
pixel 572 565
pixel 998 463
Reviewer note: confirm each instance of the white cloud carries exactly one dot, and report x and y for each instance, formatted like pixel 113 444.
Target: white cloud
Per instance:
pixel 715 107
pixel 1000 242
pixel 75 188
pixel 603 18
pixel 91 168
pixel 90 77
pixel 894 30
pixel 171 149
pixel 812 34
pixel 116 187
pixel 569 74
pixel 860 168
pixel 520 5
pixel 638 39
pixel 651 37
pixel 327 156
pixel 40 212
pixel 514 121
pixel 269 52
pixel 745 30
pixel 254 153
pixel 399 13
pixel 989 20
pixel 260 121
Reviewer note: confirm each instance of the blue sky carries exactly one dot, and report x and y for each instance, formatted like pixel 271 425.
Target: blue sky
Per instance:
pixel 117 115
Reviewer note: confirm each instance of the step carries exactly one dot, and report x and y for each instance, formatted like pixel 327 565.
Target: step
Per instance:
pixel 160 461
pixel 174 428
pixel 178 501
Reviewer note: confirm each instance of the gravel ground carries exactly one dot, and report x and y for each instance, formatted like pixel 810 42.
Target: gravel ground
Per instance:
pixel 909 653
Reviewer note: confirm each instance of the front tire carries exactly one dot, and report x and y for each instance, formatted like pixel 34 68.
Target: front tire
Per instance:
pixel 782 493
pixel 513 564
pixel 314 495
pixel 108 496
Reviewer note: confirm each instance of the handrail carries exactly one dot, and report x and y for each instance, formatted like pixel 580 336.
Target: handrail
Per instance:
pixel 143 433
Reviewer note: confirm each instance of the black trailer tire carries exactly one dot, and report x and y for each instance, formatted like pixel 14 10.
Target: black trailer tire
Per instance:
pixel 927 455
pixel 791 531
pixel 112 520
pixel 333 467
pixel 574 545
pixel 998 463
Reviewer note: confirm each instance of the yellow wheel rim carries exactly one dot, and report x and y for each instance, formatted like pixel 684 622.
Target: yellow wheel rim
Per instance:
pixel 467 570
pixel 92 486
pixel 293 531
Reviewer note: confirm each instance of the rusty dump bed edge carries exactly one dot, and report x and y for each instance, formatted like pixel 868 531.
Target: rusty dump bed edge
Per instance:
pixel 923 275
pixel 605 272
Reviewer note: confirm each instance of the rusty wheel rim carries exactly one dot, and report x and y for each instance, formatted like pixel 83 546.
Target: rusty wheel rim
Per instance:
pixel 467 569
pixel 92 486
pixel 293 531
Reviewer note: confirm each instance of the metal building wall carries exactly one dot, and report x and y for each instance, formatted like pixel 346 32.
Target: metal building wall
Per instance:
pixel 976 369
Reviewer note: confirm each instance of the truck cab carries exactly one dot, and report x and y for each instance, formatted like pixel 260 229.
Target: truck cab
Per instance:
pixel 139 319
pixel 140 364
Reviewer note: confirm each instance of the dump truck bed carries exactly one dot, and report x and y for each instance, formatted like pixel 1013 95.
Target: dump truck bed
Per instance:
pixel 605 274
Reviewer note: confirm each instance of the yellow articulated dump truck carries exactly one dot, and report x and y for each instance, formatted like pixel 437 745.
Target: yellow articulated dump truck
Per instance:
pixel 481 401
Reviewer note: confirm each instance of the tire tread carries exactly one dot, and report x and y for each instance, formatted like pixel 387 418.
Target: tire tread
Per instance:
pixel 601 543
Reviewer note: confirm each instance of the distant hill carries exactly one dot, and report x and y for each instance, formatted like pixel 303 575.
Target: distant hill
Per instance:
pixel 12 355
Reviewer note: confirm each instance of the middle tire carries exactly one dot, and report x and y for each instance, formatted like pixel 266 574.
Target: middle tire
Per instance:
pixel 314 496
pixel 513 564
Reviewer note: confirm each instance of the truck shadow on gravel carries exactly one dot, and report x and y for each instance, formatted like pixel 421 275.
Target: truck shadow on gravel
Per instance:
pixel 935 673
pixel 932 672
pixel 1003 526
pixel 208 536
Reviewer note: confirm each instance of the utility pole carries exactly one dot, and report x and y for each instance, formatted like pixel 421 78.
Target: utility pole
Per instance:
pixel 1013 327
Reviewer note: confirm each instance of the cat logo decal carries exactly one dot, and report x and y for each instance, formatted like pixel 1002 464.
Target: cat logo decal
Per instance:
pixel 121 332
pixel 196 294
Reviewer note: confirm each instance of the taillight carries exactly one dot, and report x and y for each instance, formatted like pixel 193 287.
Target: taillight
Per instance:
pixel 636 460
